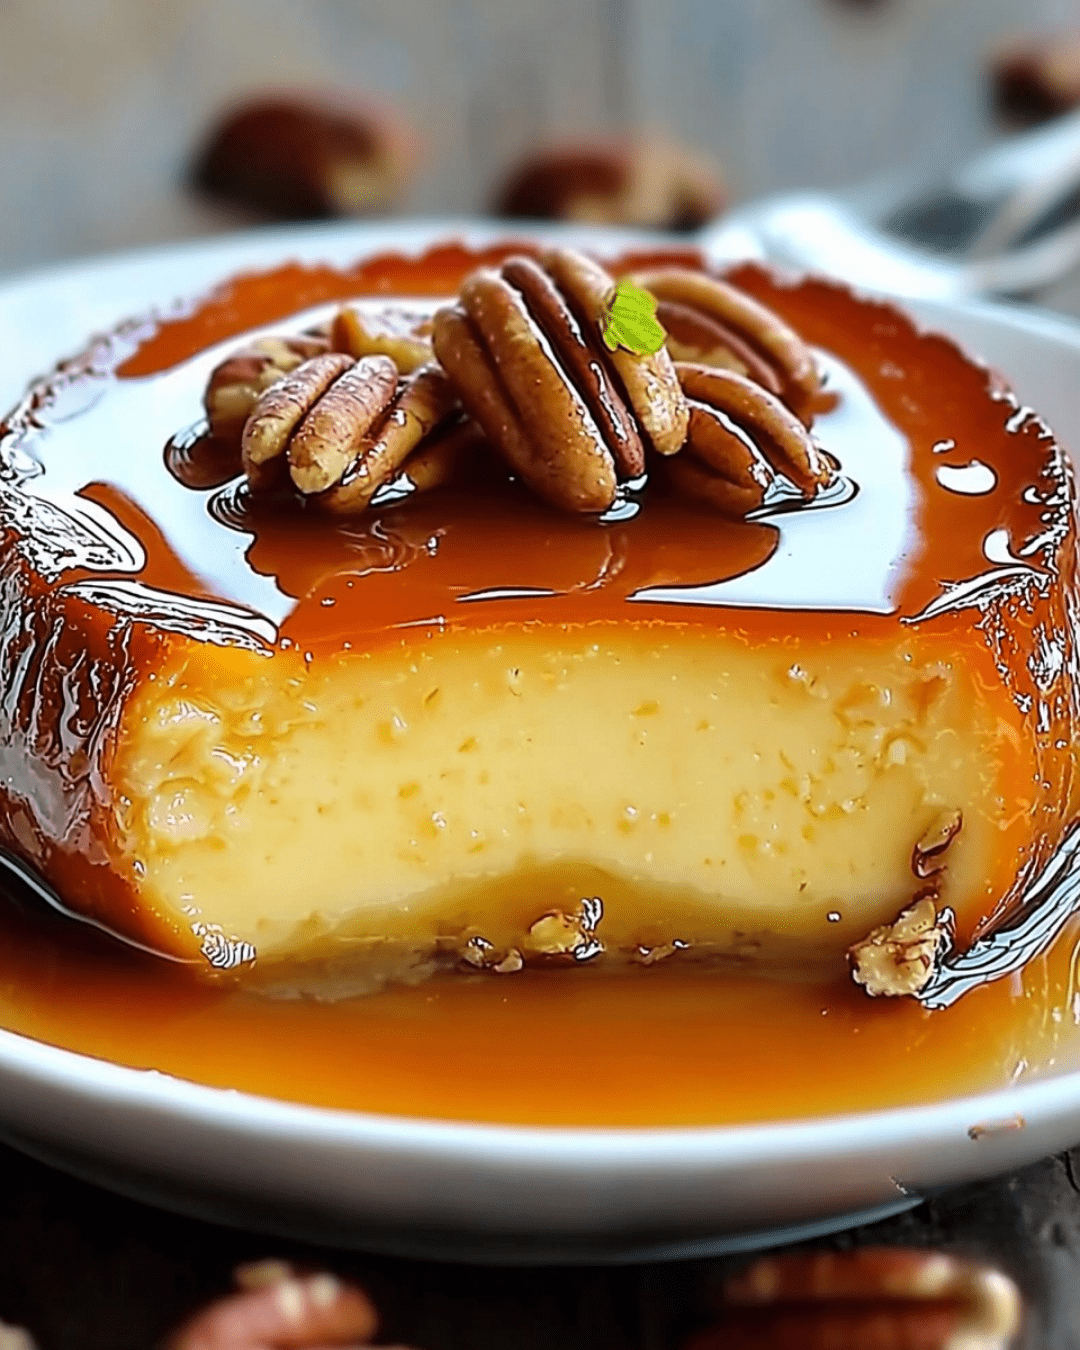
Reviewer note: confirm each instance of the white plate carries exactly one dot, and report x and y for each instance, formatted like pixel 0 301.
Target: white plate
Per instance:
pixel 492 1192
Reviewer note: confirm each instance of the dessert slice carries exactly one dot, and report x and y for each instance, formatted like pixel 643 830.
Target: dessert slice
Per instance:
pixel 313 718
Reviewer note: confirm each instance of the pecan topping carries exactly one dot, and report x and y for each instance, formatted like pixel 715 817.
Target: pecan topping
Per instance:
pixel 401 335
pixel 926 856
pixel 650 382
pixel 323 445
pixel 236 384
pixel 900 957
pixel 867 1299
pixel 718 465
pixel 716 324
pixel 423 401
pixel 279 411
pixel 557 933
pixel 457 454
pixel 342 427
pixel 525 352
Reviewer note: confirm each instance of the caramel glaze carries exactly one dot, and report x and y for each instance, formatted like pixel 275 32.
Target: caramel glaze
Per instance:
pixel 677 1047
pixel 107 560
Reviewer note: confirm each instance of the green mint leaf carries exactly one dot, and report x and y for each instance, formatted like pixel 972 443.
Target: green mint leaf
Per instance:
pixel 631 320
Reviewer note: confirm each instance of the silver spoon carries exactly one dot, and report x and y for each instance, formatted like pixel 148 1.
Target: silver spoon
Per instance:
pixel 1006 223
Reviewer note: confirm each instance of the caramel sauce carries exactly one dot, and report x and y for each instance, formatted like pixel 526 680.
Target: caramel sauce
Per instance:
pixel 909 409
pixel 948 485
pixel 656 1047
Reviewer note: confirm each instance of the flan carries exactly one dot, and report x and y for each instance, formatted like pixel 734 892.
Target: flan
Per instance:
pixel 466 729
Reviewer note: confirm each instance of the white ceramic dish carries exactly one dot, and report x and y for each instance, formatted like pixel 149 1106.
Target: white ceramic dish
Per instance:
pixel 492 1192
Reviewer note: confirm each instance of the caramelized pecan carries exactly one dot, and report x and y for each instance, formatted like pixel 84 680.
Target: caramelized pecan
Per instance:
pixel 423 401
pixel 651 386
pixel 342 428
pixel 403 336
pixel 713 323
pixel 331 433
pixel 734 471
pixel 524 349
pixel 927 857
pixel 236 384
pixel 280 409
pixel 899 958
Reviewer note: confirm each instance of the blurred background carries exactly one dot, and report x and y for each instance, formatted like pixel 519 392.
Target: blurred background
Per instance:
pixel 104 104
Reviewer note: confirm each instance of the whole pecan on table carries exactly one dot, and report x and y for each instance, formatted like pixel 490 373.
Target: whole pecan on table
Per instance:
pixel 15 1338
pixel 734 471
pixel 711 322
pixel 301 155
pixel 279 1308
pixel 1034 79
pixel 871 1298
pixel 524 348
pixel 643 180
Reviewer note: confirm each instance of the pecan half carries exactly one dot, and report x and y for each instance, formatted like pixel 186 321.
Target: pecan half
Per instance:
pixel 456 454
pixel 899 958
pixel 340 429
pixel 15 1338
pixel 423 401
pixel 867 1299
pixel 330 435
pixel 927 857
pixel 1037 78
pixel 235 385
pixel 403 336
pixel 524 349
pixel 641 180
pixel 714 323
pixel 300 155
pixel 280 409
pixel 558 933
pixel 734 471
pixel 277 1308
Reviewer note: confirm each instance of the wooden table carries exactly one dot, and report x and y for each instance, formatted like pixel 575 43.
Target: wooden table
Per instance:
pixel 87 1270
